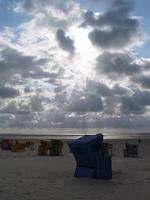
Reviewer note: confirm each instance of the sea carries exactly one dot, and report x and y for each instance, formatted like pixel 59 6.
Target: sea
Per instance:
pixel 72 133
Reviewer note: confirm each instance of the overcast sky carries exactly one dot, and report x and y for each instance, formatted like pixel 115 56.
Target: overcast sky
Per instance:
pixel 75 64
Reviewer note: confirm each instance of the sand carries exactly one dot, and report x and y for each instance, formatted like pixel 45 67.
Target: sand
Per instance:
pixel 27 176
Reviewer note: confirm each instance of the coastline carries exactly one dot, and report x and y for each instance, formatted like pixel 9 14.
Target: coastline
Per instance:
pixel 72 133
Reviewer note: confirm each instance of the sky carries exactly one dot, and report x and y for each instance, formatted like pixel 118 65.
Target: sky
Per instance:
pixel 75 64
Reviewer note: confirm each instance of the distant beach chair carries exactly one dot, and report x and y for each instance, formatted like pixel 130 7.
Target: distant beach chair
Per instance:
pixel 18 147
pixel 55 148
pixel 139 141
pixel 92 159
pixel 43 148
pixel 6 144
pixel 131 150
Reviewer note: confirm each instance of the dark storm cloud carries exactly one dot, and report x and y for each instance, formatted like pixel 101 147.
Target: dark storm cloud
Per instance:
pixel 8 92
pixel 114 64
pixel 65 42
pixel 143 80
pixel 89 103
pixel 115 28
pixel 14 62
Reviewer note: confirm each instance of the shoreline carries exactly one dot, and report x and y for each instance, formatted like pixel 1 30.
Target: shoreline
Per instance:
pixel 22 136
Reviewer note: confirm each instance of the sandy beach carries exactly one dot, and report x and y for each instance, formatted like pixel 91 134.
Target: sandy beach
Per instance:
pixel 27 176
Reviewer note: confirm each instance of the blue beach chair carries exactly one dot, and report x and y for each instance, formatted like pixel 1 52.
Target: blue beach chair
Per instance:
pixel 91 160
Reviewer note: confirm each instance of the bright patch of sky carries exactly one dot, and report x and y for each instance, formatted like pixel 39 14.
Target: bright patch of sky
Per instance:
pixel 142 10
pixel 8 17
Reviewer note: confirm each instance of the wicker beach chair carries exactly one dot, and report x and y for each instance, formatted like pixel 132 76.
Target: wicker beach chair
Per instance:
pixel 43 148
pixel 55 148
pixel 131 150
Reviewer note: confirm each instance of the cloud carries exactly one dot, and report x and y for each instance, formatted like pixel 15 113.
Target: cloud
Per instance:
pixel 56 117
pixel 22 121
pixel 40 74
pixel 33 106
pixel 15 62
pixel 119 90
pixel 61 100
pixel 129 106
pixel 135 103
pixel 60 88
pixel 27 90
pixel 35 6
pixel 51 13
pixel 15 108
pixel 142 97
pixel 124 122
pixel 115 28
pixel 65 42
pixel 104 90
pixel 89 103
pixel 143 80
pixel 5 120
pixel 53 78
pixel 8 92
pixel 99 88
pixel 114 64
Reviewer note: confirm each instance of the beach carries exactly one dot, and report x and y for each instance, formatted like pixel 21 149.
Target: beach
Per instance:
pixel 27 176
